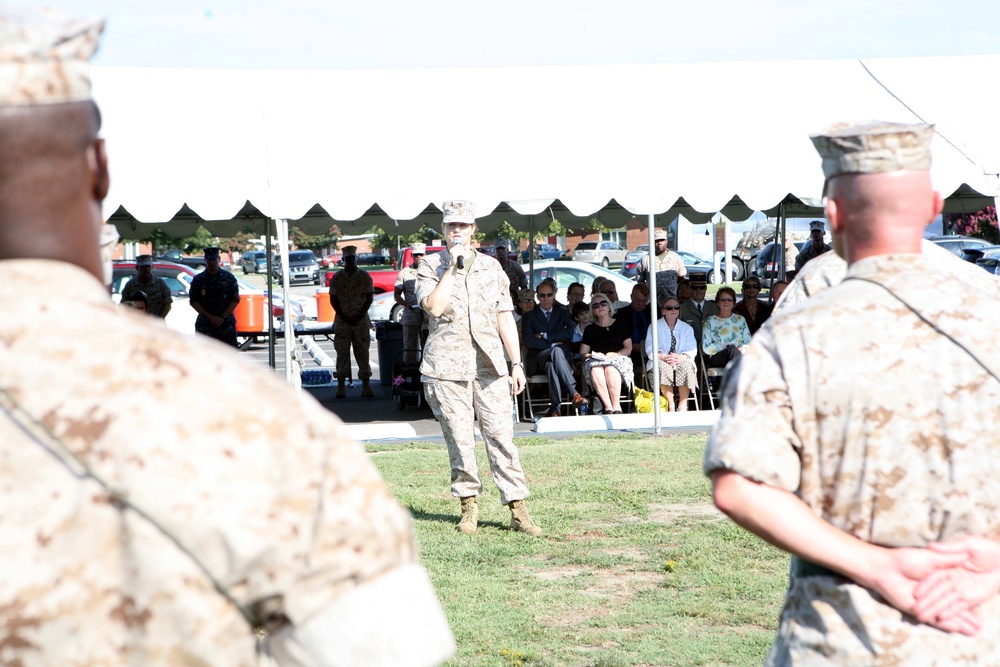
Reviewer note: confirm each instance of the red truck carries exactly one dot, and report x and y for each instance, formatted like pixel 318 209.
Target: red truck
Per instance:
pixel 385 281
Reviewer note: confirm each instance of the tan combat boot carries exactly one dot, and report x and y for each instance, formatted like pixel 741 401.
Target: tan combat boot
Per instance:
pixel 341 392
pixel 366 389
pixel 520 520
pixel 470 516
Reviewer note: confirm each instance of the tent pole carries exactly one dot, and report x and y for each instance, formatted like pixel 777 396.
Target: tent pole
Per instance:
pixel 783 229
pixel 270 292
pixel 289 325
pixel 531 252
pixel 651 234
pixel 727 250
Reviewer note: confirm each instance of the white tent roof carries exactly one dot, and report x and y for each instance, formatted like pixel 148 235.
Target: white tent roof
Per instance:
pixel 232 147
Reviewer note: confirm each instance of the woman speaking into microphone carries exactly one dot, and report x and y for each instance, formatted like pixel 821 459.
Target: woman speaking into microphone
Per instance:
pixel 466 296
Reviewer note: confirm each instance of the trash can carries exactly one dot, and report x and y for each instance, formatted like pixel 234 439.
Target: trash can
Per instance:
pixel 324 311
pixel 389 336
pixel 250 313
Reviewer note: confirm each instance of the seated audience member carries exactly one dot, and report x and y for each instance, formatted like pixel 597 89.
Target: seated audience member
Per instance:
pixel 581 319
pixel 777 289
pixel 605 352
pixel 752 309
pixel 137 300
pixel 610 290
pixel 635 321
pixel 525 304
pixel 551 282
pixel 683 290
pixel 575 294
pixel 547 332
pixel 595 287
pixel 675 353
pixel 695 310
pixel 725 335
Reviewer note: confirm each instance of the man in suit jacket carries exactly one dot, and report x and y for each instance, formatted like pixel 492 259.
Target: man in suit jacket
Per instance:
pixel 634 320
pixel 697 309
pixel 546 332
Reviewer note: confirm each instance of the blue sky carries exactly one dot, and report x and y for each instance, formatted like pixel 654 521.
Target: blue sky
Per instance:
pixel 362 34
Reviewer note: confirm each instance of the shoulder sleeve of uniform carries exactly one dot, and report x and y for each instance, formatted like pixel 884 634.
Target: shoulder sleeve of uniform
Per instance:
pixel 427 277
pixel 754 435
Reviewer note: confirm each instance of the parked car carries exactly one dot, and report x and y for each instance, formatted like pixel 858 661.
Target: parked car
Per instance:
pixel 302 267
pixel 542 251
pixel 605 253
pixel 331 261
pixel 384 307
pixel 766 266
pixel 975 254
pixel 956 244
pixel 254 261
pixel 990 259
pixel 373 259
pixel 173 255
pixel 408 256
pixel 178 278
pixel 567 272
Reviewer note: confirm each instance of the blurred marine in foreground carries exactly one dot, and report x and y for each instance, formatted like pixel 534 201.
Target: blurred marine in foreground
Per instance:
pixel 857 432
pixel 161 522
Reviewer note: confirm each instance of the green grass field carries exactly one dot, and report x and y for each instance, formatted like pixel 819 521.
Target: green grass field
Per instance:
pixel 636 566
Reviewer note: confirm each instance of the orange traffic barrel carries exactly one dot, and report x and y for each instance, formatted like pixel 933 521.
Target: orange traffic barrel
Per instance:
pixel 324 311
pixel 250 313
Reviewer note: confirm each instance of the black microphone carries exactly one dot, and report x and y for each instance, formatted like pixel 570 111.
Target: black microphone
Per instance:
pixel 460 260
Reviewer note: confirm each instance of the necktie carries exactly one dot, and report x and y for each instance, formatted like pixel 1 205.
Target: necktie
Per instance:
pixel 699 311
pixel 673 343
pixel 547 314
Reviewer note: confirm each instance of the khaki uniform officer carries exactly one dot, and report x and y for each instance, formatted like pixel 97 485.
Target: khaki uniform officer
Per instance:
pixel 152 516
pixel 351 294
pixel 665 259
pixel 859 428
pixel 405 294
pixel 464 371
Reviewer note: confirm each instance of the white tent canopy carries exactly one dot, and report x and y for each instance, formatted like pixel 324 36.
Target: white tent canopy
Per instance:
pixel 232 148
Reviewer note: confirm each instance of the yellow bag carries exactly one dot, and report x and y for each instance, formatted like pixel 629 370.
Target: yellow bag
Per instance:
pixel 644 401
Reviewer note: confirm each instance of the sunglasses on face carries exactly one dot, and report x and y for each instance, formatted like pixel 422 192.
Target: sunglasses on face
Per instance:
pixel 597 305
pixel 545 295
pixel 671 308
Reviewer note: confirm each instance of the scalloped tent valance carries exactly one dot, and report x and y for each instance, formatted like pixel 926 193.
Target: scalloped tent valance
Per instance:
pixel 230 149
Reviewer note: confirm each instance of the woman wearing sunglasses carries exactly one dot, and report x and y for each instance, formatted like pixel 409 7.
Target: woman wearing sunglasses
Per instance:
pixel 676 351
pixel 605 350
pixel 725 335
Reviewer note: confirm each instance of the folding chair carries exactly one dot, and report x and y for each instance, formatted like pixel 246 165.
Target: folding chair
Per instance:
pixel 712 392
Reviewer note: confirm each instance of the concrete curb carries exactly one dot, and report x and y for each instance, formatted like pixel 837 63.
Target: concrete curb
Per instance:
pixel 628 422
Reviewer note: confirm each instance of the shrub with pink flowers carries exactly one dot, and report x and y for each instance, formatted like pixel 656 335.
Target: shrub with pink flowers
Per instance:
pixel 981 224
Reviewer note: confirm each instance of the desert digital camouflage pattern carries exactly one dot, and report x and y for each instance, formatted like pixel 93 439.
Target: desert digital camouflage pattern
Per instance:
pixel 44 56
pixel 413 317
pixel 271 496
pixel 465 374
pixel 829 269
pixel 886 429
pixel 668 261
pixel 874 147
pixel 156 291
pixel 352 290
pixel 464 342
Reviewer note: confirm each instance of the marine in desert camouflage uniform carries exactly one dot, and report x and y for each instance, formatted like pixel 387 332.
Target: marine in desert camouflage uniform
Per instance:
pixel 351 294
pixel 856 431
pixel 405 294
pixel 149 519
pixel 155 288
pixel 464 371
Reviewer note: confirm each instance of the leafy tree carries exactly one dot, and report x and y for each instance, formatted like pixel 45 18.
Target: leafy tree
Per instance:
pixel 315 242
pixel 981 224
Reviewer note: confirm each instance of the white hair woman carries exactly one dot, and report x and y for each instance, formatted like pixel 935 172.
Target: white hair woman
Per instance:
pixel 676 351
